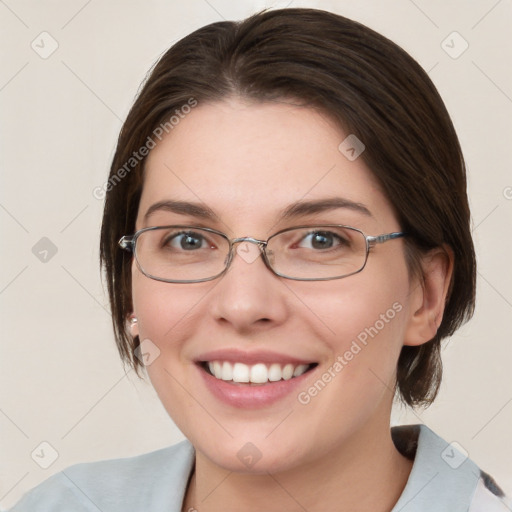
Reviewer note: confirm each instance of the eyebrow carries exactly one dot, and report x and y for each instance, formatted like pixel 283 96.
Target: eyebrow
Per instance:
pixel 297 209
pixel 302 208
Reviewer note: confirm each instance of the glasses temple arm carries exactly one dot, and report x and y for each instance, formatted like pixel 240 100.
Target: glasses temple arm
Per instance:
pixel 127 243
pixel 372 240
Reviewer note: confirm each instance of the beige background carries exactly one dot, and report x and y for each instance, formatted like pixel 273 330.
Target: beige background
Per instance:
pixel 61 380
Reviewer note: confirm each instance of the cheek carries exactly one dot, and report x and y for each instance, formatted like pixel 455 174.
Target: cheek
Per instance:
pixel 356 309
pixel 165 314
pixel 363 321
pixel 365 333
pixel 164 310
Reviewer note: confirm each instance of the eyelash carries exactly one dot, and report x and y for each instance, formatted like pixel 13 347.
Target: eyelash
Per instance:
pixel 169 238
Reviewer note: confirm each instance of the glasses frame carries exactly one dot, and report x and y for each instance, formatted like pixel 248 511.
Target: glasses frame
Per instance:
pixel 129 243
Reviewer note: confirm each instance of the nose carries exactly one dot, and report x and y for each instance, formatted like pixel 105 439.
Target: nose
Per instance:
pixel 249 297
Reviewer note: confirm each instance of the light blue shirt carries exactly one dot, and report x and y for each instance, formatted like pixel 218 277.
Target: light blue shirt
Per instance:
pixel 442 479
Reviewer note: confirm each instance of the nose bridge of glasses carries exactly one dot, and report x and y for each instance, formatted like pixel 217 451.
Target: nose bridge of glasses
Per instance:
pixel 261 243
pixel 245 252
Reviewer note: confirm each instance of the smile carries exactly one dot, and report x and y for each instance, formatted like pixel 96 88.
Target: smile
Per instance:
pixel 259 373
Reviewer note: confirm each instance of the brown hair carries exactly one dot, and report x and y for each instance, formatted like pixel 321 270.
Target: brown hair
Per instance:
pixel 365 82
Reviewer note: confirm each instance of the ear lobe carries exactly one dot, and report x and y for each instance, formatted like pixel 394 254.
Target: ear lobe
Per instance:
pixel 134 328
pixel 429 296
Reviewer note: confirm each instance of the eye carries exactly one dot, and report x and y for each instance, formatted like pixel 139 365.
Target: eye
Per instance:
pixel 322 240
pixel 186 241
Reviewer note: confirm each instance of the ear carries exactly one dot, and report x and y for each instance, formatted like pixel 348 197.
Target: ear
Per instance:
pixel 134 327
pixel 428 296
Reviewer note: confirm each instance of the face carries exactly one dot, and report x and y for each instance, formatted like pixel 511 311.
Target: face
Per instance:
pixel 247 163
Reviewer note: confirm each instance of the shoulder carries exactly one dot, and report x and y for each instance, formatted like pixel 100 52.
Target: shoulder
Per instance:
pixel 489 497
pixel 443 476
pixel 152 481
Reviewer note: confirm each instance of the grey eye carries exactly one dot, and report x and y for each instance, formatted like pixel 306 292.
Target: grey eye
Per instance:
pixel 321 240
pixel 187 241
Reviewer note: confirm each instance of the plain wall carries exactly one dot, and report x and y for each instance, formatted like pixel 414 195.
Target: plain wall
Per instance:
pixel 61 379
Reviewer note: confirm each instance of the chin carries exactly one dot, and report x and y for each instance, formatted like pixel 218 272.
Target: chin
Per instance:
pixel 258 457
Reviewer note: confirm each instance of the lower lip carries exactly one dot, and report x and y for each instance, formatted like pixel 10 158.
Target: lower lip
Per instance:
pixel 249 396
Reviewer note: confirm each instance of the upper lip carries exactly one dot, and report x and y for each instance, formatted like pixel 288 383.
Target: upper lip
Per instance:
pixel 235 355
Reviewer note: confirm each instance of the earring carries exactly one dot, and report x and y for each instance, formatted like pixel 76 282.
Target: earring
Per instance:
pixel 133 325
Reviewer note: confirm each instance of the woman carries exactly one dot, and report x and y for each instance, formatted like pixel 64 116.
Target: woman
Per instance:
pixel 286 242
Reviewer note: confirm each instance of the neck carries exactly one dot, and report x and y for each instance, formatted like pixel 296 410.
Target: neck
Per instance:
pixel 365 472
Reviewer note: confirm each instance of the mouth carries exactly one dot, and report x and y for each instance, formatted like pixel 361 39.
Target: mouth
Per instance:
pixel 253 379
pixel 259 374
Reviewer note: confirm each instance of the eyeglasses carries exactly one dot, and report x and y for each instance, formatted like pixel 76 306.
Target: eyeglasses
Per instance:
pixel 189 254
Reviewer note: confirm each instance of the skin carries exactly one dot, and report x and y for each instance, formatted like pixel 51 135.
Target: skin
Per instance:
pixel 247 162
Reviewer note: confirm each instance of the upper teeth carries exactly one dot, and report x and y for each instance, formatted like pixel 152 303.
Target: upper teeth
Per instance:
pixel 256 373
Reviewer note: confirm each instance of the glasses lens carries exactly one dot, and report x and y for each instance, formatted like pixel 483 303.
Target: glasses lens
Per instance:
pixel 320 252
pixel 180 253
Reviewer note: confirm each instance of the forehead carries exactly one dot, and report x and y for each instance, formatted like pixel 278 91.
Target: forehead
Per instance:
pixel 254 159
